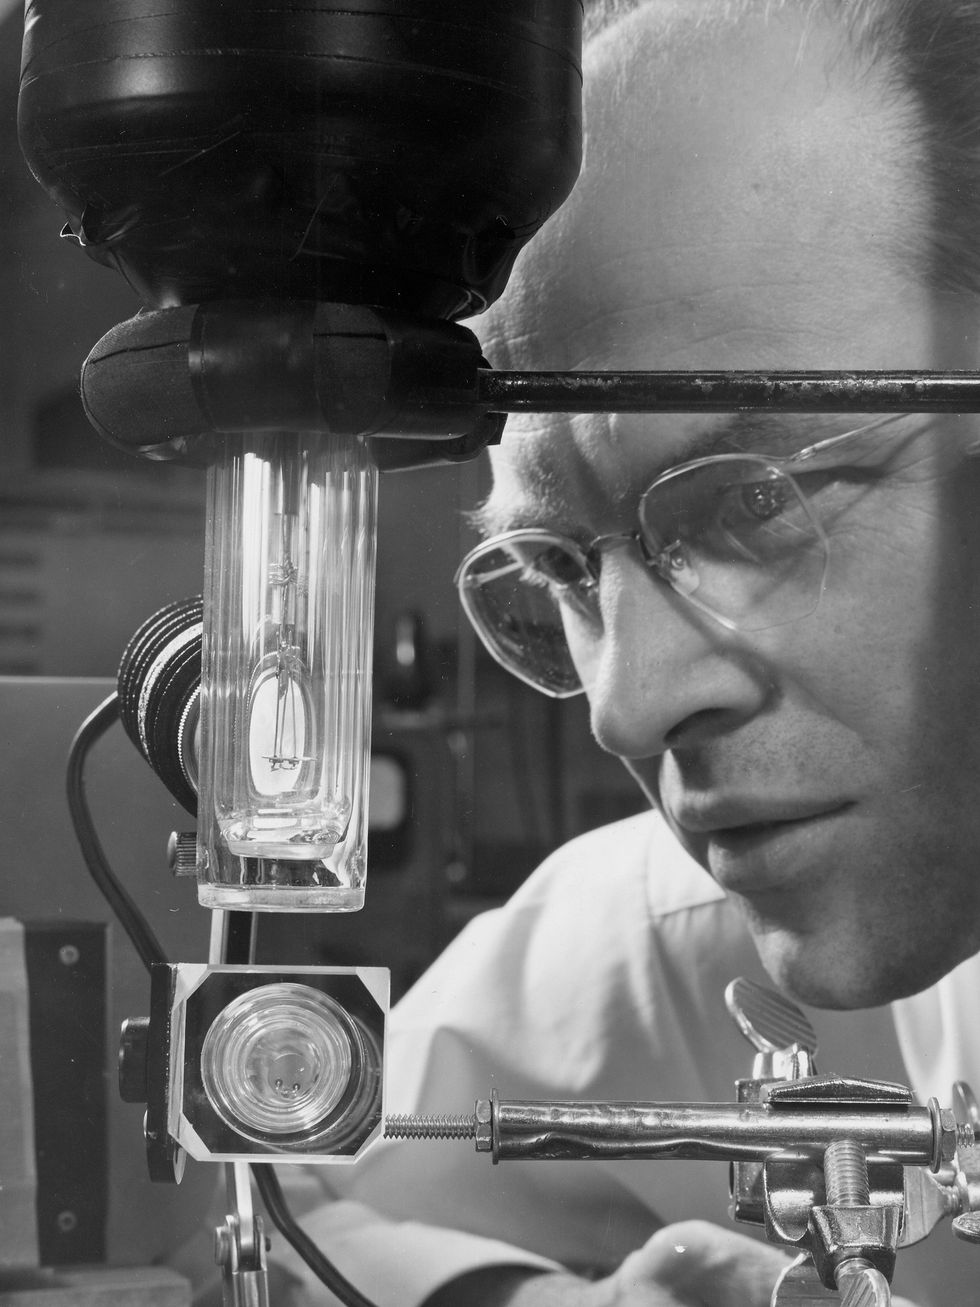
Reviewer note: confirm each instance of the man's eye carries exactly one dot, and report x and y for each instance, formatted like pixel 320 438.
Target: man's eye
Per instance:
pixel 568 584
pixel 556 567
pixel 549 566
pixel 764 500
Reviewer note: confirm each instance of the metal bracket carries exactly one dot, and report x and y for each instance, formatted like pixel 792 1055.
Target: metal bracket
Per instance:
pixel 240 1245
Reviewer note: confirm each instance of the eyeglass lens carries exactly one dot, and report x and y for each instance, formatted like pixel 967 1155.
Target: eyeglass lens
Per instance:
pixel 733 535
pixel 514 594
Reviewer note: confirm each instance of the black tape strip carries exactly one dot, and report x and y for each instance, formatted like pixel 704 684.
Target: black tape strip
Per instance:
pixel 66 976
pixel 252 365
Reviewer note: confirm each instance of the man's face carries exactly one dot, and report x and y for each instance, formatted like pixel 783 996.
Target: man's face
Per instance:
pixel 745 204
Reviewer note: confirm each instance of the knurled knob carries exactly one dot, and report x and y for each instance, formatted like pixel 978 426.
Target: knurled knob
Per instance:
pixel 967 1226
pixel 770 1022
pixel 182 853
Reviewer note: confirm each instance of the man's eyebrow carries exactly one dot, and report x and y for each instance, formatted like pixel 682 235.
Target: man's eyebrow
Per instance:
pixel 757 431
pixel 769 431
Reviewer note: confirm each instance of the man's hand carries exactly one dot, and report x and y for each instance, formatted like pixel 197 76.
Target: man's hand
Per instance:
pixel 695 1264
pixel 691 1264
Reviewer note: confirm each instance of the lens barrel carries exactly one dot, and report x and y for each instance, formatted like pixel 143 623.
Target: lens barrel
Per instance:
pixel 159 685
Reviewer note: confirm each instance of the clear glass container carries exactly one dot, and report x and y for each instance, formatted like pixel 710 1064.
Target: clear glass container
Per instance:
pixel 277 1060
pixel 286 673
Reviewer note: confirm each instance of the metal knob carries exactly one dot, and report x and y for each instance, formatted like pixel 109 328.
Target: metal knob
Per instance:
pixel 770 1022
pixel 784 1040
pixel 800 1286
pixel 967 1226
pixel 862 1286
pixel 182 852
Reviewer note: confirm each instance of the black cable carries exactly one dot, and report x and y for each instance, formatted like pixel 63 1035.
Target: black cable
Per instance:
pixel 130 918
pixel 150 951
pixel 267 1183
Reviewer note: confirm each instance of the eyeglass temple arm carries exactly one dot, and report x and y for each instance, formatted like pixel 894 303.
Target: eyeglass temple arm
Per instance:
pixel 728 392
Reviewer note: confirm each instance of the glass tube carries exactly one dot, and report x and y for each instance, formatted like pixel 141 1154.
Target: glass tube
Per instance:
pixel 286 674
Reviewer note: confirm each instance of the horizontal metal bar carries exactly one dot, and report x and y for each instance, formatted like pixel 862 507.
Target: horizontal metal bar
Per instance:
pixel 738 1132
pixel 729 392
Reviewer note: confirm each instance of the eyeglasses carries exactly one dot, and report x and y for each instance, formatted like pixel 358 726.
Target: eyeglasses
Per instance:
pixel 741 537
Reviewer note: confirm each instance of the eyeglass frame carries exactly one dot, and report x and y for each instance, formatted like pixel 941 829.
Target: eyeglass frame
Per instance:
pixel 588 555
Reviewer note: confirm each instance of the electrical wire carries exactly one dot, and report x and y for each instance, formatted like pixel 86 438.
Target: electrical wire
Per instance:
pixel 267 1183
pixel 151 951
pixel 130 918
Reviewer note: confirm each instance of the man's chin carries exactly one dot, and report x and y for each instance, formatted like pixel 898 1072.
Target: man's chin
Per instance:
pixel 822 975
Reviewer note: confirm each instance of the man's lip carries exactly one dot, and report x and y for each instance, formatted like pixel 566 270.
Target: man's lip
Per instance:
pixel 742 820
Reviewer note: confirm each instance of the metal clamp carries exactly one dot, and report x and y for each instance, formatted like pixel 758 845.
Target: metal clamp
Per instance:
pixel 240 1245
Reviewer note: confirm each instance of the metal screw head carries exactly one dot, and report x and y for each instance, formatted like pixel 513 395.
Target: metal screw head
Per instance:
pixel 862 1286
pixel 67 1221
pixel 68 955
pixel 967 1226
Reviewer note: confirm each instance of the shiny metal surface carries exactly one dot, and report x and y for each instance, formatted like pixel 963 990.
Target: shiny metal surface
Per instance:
pixel 708 1131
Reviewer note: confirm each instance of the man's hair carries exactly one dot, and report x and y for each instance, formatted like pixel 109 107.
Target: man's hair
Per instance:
pixel 928 49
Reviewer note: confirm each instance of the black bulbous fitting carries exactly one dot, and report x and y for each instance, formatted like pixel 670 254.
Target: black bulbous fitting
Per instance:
pixel 398 154
pixel 169 383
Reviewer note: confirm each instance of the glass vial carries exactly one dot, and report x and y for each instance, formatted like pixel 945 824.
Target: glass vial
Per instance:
pixel 286 674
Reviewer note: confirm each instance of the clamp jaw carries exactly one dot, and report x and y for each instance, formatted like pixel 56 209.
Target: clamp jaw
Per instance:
pixel 847 1215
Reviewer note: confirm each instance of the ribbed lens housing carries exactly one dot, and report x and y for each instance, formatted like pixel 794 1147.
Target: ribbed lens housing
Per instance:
pixel 159 690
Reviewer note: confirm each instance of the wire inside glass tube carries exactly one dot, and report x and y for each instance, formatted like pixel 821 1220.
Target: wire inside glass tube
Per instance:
pixel 286 676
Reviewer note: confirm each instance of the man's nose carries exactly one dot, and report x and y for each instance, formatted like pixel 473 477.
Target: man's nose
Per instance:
pixel 665 674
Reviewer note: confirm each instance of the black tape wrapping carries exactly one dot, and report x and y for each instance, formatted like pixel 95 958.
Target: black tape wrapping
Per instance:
pixel 168 383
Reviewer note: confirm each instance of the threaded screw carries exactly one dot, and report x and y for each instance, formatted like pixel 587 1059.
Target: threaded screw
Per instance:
pixel 845 1170
pixel 409 1126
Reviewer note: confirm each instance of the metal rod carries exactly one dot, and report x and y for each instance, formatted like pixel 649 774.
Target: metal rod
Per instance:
pixel 729 392
pixel 708 1131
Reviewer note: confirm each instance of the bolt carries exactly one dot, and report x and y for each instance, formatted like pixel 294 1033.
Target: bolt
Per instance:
pixel 68 955
pixel 409 1126
pixel 67 1221
pixel 845 1169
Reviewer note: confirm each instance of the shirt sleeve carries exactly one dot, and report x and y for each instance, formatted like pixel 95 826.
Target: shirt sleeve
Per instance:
pixel 393 1263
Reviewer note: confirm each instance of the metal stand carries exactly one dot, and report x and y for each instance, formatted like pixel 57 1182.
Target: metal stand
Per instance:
pixel 240 1244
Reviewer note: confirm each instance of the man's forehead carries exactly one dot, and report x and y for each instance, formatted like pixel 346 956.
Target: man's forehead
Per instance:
pixel 737 208
pixel 729 216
